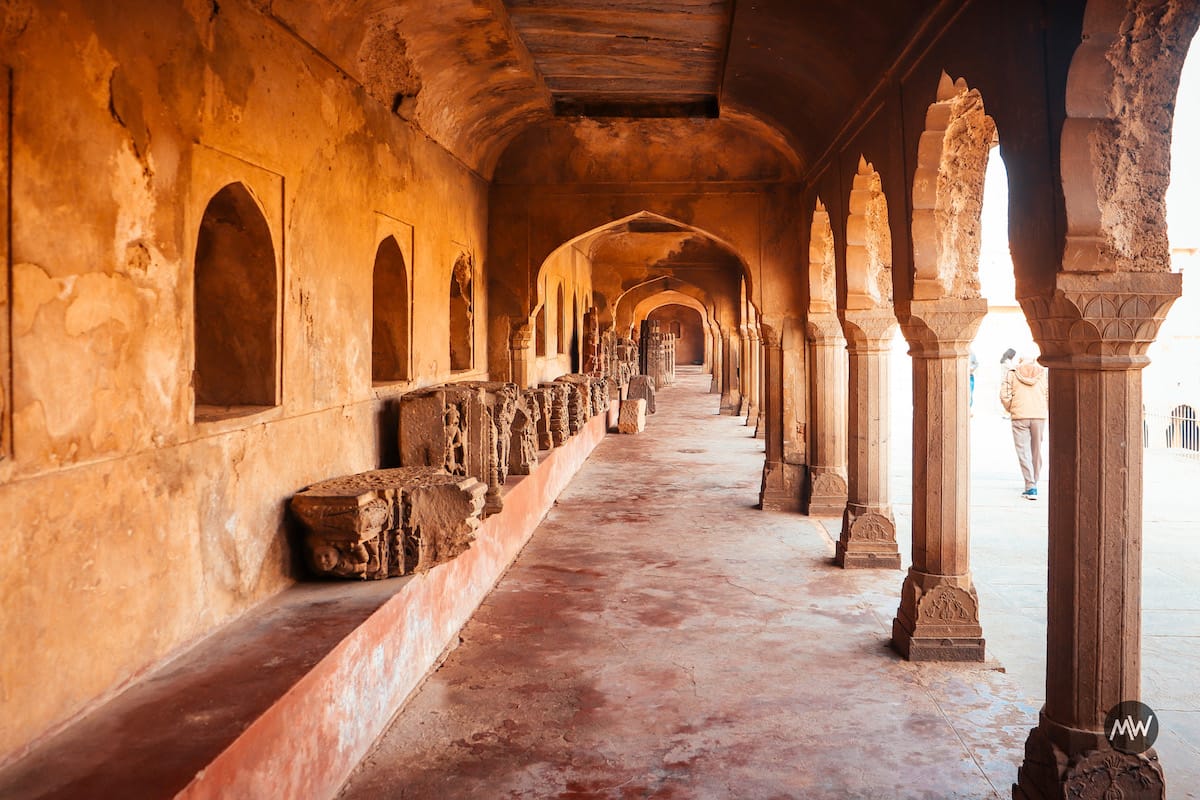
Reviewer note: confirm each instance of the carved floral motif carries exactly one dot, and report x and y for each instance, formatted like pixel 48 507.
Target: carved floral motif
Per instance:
pixel 947 605
pixel 1116 314
pixel 872 527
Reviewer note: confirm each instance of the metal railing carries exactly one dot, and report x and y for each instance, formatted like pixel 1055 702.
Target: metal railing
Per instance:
pixel 1177 433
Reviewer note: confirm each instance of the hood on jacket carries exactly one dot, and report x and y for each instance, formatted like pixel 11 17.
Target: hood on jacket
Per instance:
pixel 1029 371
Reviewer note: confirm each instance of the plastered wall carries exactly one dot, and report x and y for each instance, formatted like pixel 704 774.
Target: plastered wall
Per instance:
pixel 130 530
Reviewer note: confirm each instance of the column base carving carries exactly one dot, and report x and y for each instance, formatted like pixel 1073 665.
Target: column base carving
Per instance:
pixel 781 485
pixel 825 494
pixel 760 431
pixel 1048 773
pixel 751 411
pixel 868 539
pixel 938 619
pixel 731 402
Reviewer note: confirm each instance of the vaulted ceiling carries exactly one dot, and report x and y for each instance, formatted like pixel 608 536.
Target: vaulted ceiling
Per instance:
pixel 618 58
pixel 473 74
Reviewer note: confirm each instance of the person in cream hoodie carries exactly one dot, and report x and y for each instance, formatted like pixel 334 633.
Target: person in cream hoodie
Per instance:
pixel 1025 396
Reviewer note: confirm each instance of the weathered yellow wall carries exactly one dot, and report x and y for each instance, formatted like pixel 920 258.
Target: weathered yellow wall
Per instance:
pixel 572 270
pixel 130 531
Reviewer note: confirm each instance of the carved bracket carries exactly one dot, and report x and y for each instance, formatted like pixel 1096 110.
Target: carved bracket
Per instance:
pixel 1093 318
pixel 868 330
pixel 824 329
pixel 941 328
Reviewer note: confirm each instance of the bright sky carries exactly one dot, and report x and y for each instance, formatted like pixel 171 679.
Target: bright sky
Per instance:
pixel 1183 196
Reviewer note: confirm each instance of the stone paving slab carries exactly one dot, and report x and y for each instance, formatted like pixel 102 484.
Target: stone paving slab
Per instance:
pixel 1008 558
pixel 658 637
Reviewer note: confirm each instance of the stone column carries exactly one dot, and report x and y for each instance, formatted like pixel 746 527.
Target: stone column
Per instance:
pixel 750 370
pixel 718 362
pixel 938 617
pixel 745 371
pixel 795 407
pixel 868 536
pixel 730 394
pixel 825 493
pixel 520 354
pixel 708 359
pixel 1094 330
pixel 780 490
pixel 760 373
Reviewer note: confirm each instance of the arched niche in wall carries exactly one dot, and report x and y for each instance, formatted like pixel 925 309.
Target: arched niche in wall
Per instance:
pixel 868 243
pixel 540 332
pixel 389 315
pixel 574 336
pixel 561 308
pixel 462 314
pixel 235 307
pixel 947 193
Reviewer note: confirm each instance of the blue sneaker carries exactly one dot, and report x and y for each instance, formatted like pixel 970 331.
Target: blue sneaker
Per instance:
pixel 1030 494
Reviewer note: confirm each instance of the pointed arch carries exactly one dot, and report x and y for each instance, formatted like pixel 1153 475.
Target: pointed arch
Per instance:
pixel 389 314
pixel 1116 140
pixel 560 308
pixel 540 333
pixel 947 193
pixel 868 242
pixel 462 313
pixel 822 267
pixel 235 291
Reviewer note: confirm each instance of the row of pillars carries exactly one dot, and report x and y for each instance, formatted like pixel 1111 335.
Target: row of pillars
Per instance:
pixel 738 374
pixel 1093 331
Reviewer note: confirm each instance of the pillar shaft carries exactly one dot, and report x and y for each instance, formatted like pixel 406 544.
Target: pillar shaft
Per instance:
pixel 780 491
pixel 1094 330
pixel 730 394
pixel 938 618
pixel 868 537
pixel 744 371
pixel 760 372
pixel 718 363
pixel 825 493
pixel 752 367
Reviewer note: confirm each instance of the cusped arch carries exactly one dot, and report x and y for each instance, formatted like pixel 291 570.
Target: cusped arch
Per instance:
pixel 670 297
pixel 627 317
pixel 947 193
pixel 1116 140
pixel 868 242
pixel 822 265
pixel 645 216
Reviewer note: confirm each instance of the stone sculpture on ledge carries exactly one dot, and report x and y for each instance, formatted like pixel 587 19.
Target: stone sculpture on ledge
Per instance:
pixel 523 446
pixel 388 522
pixel 559 416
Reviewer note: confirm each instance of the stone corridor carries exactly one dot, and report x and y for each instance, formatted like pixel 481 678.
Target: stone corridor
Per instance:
pixel 658 637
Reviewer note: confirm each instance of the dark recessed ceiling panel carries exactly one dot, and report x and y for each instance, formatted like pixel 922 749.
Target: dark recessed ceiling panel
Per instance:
pixel 624 58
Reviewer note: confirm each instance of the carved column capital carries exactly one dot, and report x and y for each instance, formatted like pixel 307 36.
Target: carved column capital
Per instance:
pixel 521 338
pixel 1101 320
pixel 942 328
pixel 770 336
pixel 868 329
pixel 823 329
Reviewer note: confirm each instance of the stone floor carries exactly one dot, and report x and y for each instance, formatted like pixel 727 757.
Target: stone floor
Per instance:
pixel 659 637
pixel 1008 555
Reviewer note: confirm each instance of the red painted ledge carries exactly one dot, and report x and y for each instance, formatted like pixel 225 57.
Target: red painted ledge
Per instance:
pixel 287 700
